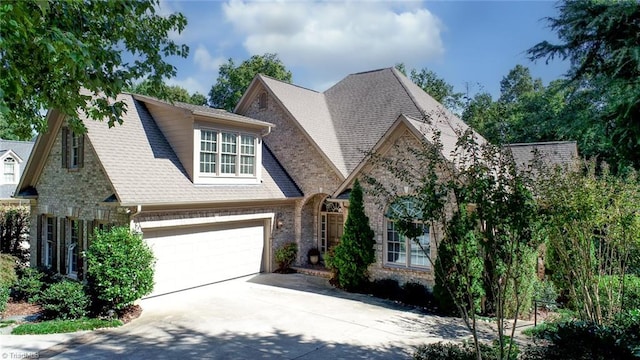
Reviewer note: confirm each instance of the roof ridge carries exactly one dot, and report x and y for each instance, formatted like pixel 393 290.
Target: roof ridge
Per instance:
pixel 289 83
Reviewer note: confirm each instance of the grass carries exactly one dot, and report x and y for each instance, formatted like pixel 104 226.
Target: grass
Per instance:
pixel 5 323
pixel 63 326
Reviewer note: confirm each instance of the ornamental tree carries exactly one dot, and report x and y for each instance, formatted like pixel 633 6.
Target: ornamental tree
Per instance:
pixel 351 258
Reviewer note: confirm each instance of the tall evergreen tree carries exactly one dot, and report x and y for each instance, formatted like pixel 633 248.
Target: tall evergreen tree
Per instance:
pixel 355 252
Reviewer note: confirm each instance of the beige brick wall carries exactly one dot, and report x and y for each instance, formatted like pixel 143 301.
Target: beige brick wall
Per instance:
pixel 296 154
pixel 375 207
pixel 63 190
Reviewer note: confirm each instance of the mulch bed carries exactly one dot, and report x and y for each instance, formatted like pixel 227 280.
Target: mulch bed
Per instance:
pixel 15 308
pixel 23 308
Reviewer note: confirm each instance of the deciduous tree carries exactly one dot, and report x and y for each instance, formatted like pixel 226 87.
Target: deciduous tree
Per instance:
pixel 50 50
pixel 234 80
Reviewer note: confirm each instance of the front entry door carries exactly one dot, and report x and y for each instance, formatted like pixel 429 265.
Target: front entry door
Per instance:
pixel 335 227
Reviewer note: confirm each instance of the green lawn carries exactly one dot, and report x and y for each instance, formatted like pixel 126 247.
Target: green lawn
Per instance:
pixel 63 326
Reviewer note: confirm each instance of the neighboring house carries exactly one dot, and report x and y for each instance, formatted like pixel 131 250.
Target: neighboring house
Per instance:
pixel 13 157
pixel 550 153
pixel 215 193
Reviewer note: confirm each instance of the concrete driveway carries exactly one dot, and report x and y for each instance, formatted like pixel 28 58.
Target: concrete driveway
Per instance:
pixel 268 316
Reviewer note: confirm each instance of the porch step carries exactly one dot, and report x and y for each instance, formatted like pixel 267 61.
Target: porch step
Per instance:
pixel 313 272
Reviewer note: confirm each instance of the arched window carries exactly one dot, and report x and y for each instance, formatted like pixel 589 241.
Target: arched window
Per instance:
pixel 411 251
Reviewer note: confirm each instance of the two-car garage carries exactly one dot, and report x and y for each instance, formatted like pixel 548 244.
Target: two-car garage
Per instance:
pixel 188 256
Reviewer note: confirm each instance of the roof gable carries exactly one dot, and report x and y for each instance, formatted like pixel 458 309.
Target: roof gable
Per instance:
pixel 144 169
pixel 347 120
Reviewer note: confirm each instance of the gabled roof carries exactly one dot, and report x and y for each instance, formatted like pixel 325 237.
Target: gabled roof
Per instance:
pixel 144 170
pixel 19 149
pixel 347 120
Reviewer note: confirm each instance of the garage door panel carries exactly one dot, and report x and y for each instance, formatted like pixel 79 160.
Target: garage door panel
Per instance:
pixel 194 256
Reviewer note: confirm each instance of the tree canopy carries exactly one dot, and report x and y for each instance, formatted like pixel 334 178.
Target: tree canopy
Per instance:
pixel 168 92
pixel 234 80
pixel 435 86
pixel 600 39
pixel 51 50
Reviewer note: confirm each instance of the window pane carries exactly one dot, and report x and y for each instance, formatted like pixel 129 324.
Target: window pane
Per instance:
pixel 247 145
pixel 227 164
pixel 418 255
pixel 229 143
pixel 208 150
pixel 396 247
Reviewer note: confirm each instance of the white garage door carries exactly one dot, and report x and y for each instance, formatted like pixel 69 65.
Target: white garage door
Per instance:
pixel 192 256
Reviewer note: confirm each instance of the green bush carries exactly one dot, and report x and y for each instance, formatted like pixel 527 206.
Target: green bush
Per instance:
pixel 29 285
pixel 4 297
pixel 285 256
pixel 64 300
pixel 350 259
pixel 119 269
pixel 386 289
pixel 8 275
pixel 631 292
pixel 453 351
pixel 587 340
pixel 417 294
pixel 545 292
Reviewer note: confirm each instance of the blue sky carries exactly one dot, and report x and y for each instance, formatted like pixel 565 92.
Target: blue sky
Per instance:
pixel 468 43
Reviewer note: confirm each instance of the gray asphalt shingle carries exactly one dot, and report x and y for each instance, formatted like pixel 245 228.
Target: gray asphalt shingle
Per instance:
pixel 144 169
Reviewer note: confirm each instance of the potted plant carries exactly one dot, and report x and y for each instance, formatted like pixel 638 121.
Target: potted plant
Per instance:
pixel 314 255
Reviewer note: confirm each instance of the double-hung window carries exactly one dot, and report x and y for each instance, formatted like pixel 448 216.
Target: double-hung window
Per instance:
pixel 74 247
pixel 9 170
pixel 227 153
pixel 401 250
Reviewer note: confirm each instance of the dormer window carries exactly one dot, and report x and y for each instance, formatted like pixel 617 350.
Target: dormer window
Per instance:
pixel 227 154
pixel 10 170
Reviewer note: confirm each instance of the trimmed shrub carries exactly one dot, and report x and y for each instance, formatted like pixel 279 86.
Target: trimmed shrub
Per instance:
pixel 586 340
pixel 417 294
pixel 14 229
pixel 386 289
pixel 8 275
pixel 64 300
pixel 285 256
pixel 120 269
pixel 29 285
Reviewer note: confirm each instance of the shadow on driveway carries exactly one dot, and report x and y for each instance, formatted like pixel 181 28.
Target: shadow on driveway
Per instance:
pixel 186 343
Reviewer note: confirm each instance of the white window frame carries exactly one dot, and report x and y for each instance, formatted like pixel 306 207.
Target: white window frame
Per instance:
pixel 408 248
pixel 13 165
pixel 216 170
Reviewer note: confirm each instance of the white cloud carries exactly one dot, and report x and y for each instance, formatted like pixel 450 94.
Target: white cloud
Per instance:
pixel 205 61
pixel 332 39
pixel 191 84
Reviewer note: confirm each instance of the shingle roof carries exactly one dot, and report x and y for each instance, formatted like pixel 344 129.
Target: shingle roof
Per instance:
pixel 205 110
pixel 551 153
pixel 23 150
pixel 144 169
pixel 348 119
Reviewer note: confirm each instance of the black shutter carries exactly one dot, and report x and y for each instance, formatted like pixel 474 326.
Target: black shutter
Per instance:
pixel 39 242
pixel 65 147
